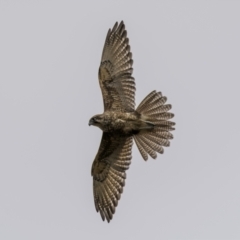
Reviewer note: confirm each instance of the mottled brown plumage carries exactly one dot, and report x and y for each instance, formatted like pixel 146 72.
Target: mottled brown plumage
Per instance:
pixel 148 125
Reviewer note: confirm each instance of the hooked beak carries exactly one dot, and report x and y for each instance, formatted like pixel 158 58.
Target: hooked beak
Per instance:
pixel 90 122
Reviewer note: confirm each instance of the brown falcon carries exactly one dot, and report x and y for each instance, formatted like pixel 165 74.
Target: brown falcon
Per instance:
pixel 148 125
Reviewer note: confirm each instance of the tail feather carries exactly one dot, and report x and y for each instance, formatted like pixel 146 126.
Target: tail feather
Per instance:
pixel 157 139
pixel 145 102
pixel 141 149
pixel 154 110
pixel 164 134
pixel 165 125
pixel 150 140
pixel 146 144
pixel 161 116
pixel 159 109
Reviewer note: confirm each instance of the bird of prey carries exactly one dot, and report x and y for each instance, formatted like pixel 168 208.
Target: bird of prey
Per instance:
pixel 148 124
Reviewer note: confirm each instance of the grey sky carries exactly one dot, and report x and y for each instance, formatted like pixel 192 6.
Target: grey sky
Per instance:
pixel 49 58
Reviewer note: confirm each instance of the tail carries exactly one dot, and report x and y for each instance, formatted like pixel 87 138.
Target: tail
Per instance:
pixel 154 112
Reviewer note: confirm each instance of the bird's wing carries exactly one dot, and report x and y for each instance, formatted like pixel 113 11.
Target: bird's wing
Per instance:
pixel 115 71
pixel 108 171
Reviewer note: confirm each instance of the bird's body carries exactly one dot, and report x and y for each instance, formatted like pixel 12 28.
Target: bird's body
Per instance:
pixel 123 122
pixel 148 124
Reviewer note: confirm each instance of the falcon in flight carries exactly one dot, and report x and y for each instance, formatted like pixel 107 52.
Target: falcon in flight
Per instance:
pixel 148 124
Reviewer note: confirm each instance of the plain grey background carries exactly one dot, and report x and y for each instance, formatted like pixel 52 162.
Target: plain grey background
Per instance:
pixel 49 57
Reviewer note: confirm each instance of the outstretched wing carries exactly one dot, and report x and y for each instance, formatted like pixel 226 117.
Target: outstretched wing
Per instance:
pixel 115 71
pixel 108 171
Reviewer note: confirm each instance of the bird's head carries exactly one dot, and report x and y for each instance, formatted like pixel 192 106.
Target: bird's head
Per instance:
pixel 96 120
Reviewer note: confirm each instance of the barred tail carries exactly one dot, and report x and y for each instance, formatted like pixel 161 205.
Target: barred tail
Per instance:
pixel 154 110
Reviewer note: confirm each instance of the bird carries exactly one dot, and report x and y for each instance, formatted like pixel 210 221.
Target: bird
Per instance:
pixel 148 125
